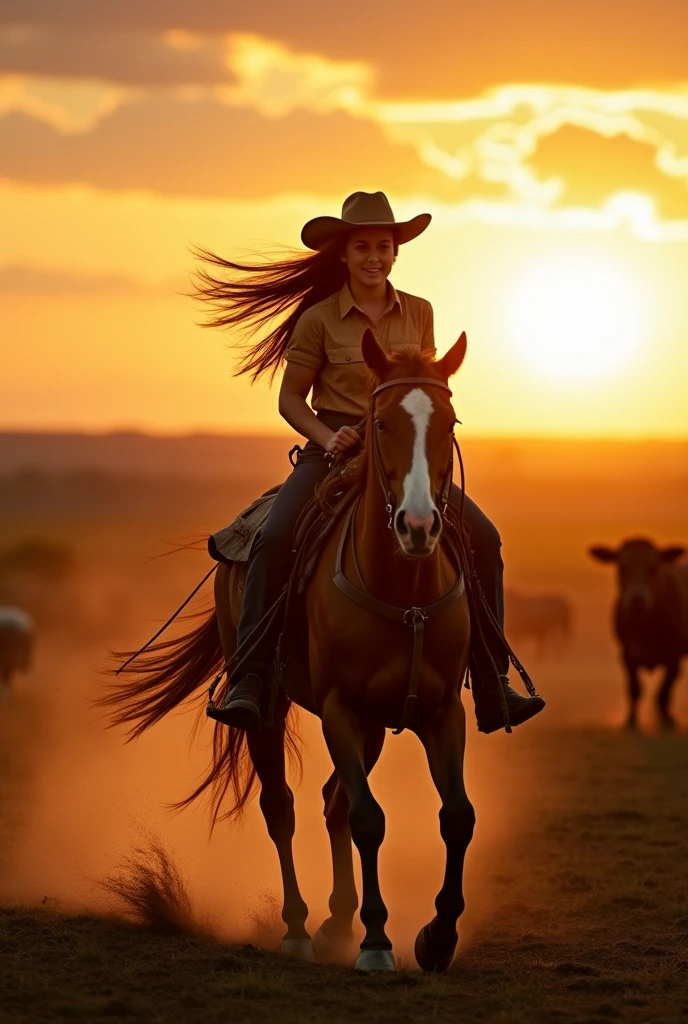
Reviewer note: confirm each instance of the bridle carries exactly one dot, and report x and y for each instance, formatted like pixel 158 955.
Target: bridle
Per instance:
pixel 416 616
pixel 390 500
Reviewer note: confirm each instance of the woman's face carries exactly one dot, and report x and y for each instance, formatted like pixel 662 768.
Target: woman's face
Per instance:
pixel 369 256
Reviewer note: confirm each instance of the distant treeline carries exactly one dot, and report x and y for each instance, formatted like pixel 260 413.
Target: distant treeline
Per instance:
pixel 233 457
pixel 506 489
pixel 88 495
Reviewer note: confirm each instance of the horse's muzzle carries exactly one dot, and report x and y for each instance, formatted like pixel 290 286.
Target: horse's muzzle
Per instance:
pixel 416 534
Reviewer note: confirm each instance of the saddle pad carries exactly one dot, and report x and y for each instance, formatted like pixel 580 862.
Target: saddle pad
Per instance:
pixel 233 543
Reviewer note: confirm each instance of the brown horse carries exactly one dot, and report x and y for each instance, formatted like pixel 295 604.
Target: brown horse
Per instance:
pixel 388 635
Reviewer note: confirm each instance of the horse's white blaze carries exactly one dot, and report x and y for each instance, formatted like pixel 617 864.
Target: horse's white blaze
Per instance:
pixel 417 488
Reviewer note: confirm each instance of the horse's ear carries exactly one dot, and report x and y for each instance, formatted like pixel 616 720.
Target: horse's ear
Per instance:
pixel 375 358
pixel 671 554
pixel 603 554
pixel 451 360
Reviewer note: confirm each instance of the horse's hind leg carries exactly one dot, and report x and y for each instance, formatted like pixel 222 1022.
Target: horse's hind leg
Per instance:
pixel 345 738
pixel 335 934
pixel 444 740
pixel 266 747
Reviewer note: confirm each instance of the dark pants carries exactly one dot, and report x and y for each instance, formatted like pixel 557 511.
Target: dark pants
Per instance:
pixel 271 556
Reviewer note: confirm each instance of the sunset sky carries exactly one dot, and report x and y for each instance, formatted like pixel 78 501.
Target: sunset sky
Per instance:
pixel 548 140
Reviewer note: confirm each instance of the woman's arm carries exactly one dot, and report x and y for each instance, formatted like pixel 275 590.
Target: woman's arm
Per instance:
pixel 296 385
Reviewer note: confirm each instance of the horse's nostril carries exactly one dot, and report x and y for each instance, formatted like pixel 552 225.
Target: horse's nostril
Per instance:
pixel 400 523
pixel 436 524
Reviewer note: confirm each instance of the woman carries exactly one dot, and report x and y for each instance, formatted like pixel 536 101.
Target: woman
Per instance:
pixel 326 301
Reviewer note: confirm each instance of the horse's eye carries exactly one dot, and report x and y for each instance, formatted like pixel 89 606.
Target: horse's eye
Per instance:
pixel 380 425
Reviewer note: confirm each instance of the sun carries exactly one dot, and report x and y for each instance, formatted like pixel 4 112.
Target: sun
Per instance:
pixel 576 318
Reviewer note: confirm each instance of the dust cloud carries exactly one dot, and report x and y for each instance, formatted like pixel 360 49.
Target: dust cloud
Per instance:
pixel 76 801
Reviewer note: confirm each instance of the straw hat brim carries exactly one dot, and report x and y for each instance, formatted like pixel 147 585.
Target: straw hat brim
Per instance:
pixel 320 231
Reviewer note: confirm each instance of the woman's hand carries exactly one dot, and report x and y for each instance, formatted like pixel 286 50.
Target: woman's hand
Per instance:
pixel 342 440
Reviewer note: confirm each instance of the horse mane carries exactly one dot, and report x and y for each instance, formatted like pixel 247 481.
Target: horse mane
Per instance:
pixel 353 472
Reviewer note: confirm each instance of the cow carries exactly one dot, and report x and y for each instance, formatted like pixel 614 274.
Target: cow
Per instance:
pixel 650 615
pixel 16 646
pixel 537 616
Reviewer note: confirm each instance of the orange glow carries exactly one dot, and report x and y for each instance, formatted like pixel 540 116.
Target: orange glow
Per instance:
pixel 560 226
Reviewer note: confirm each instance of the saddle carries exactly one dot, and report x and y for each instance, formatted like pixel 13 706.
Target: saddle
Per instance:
pixel 233 543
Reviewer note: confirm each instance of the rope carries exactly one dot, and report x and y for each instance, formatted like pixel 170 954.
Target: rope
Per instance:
pixel 168 623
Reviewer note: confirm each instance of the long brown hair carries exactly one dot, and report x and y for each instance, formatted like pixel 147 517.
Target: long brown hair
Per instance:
pixel 254 294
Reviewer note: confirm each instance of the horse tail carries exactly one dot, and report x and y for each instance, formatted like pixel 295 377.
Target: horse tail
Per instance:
pixel 166 675
pixel 169 673
pixel 231 779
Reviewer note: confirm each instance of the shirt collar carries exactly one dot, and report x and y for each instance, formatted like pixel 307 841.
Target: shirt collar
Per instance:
pixel 347 302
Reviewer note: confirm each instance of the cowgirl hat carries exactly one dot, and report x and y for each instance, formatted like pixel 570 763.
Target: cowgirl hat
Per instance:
pixel 362 210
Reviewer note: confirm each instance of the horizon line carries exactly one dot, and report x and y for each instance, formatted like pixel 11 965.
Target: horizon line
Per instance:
pixel 148 432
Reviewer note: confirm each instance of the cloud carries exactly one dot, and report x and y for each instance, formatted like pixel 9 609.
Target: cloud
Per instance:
pixel 424 50
pixel 274 80
pixel 593 168
pixel 252 72
pixel 23 280
pixel 287 121
pixel 66 105
pixel 115 55
pixel 495 137
pixel 202 148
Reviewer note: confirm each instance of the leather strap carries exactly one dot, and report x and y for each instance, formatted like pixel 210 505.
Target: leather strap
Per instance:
pixel 412 380
pixel 416 616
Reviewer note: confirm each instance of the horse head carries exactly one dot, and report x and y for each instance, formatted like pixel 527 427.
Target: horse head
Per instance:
pixel 411 438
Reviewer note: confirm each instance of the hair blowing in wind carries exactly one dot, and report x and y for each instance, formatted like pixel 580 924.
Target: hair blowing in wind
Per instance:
pixel 254 296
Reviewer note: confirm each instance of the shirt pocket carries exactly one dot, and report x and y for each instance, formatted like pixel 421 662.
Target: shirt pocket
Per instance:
pixel 347 373
pixel 345 354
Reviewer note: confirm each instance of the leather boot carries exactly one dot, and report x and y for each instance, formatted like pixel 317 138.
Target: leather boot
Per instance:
pixel 488 705
pixel 242 705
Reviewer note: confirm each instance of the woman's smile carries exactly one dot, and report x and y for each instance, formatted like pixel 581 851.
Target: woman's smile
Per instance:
pixel 369 255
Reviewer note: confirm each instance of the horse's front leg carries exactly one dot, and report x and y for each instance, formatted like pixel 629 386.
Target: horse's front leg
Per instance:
pixel 335 934
pixel 345 738
pixel 266 747
pixel 444 739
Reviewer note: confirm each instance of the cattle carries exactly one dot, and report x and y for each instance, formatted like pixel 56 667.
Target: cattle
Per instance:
pixel 16 646
pixel 537 617
pixel 650 615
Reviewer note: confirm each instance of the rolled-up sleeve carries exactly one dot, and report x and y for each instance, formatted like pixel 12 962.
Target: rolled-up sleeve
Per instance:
pixel 307 344
pixel 427 338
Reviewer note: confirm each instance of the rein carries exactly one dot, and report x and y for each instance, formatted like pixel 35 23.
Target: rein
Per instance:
pixel 417 615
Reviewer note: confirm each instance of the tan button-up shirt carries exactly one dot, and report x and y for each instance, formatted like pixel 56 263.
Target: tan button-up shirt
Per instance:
pixel 328 338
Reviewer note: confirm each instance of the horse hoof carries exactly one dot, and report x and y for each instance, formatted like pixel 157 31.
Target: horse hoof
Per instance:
pixel 299 949
pixel 331 948
pixel 376 960
pixel 432 955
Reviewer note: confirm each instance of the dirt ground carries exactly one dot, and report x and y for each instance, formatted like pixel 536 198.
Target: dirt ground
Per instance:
pixel 576 884
pixel 583 916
